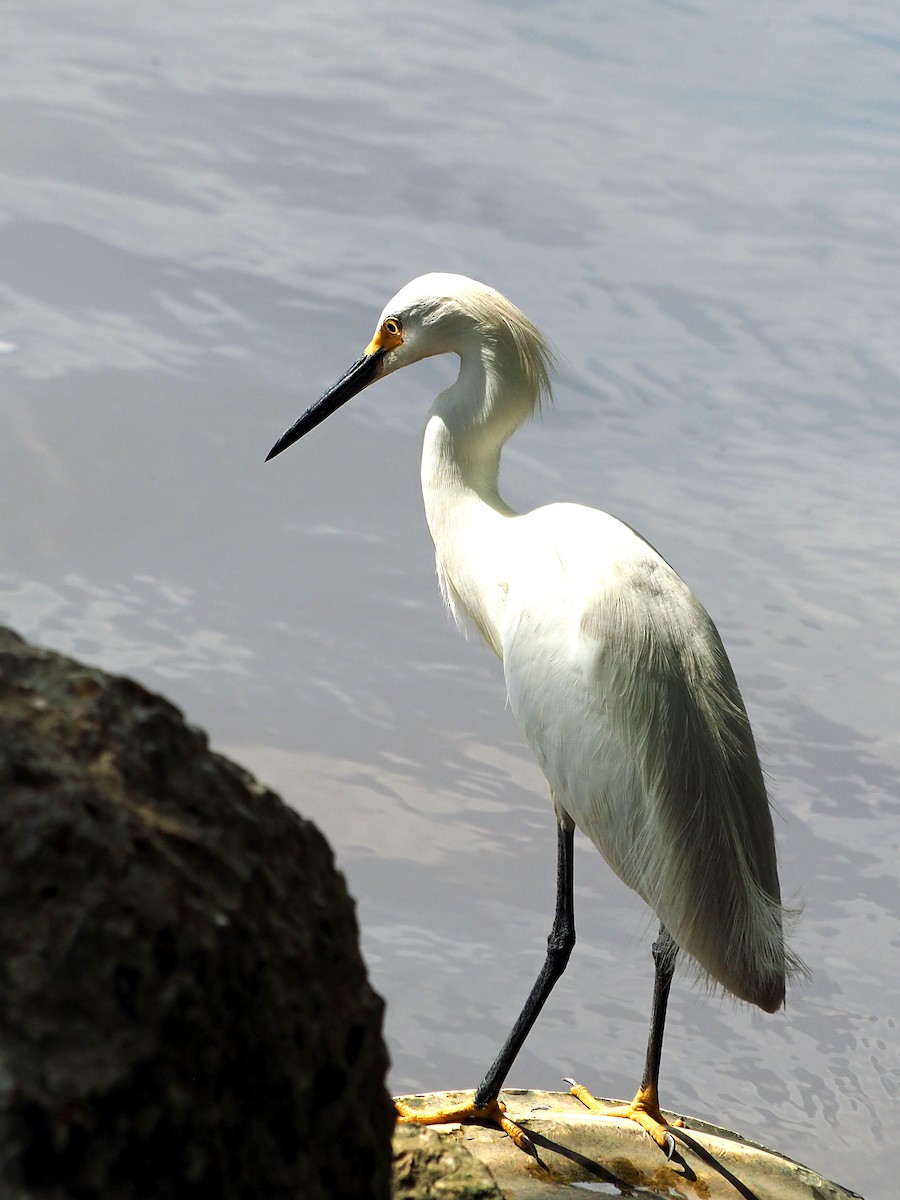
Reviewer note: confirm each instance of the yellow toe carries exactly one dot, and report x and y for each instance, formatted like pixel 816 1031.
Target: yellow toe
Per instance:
pixel 494 1112
pixel 644 1110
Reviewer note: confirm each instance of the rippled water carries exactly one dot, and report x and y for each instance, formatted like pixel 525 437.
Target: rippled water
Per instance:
pixel 205 207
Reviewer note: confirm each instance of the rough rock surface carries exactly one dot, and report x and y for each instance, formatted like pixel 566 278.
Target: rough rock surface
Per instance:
pixel 430 1166
pixel 183 1007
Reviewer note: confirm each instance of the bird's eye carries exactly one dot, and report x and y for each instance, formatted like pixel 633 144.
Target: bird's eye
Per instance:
pixel 392 326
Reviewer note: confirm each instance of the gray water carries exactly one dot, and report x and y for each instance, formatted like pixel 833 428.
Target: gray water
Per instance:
pixel 205 206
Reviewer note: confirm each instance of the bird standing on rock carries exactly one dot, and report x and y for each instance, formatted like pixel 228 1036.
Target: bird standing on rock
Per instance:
pixel 614 671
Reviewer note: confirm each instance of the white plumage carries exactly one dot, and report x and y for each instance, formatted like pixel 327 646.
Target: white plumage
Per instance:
pixel 614 670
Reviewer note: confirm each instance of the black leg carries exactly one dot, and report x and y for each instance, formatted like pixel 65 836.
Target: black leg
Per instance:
pixel 644 1108
pixel 559 947
pixel 665 951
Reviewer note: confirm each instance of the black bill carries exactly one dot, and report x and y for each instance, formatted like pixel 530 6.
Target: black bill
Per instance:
pixel 360 375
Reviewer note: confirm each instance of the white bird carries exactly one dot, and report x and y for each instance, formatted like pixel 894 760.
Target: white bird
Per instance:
pixel 614 671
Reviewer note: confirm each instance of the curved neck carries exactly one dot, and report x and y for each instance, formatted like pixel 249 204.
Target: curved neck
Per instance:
pixel 468 426
pixel 461 451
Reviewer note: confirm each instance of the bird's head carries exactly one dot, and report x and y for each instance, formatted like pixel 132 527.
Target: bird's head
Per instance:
pixel 436 314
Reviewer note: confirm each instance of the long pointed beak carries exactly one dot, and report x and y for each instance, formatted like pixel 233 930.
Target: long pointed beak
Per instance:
pixel 360 375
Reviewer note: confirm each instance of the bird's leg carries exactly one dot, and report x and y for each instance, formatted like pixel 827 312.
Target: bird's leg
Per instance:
pixel 644 1108
pixel 485 1104
pixel 559 947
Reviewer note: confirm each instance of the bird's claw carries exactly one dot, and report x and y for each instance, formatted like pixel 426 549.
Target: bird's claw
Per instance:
pixel 644 1110
pixel 524 1142
pixel 494 1111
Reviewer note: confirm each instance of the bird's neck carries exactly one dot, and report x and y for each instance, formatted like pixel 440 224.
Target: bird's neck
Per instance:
pixel 466 431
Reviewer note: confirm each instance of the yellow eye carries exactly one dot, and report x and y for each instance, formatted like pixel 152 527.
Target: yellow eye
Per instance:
pixel 388 337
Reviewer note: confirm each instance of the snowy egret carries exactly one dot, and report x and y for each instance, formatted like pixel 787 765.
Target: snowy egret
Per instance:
pixel 614 671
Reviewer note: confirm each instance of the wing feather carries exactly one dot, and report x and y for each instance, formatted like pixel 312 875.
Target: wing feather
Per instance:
pixel 635 715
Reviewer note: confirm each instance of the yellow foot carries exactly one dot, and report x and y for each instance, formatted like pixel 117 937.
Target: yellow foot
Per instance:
pixel 493 1112
pixel 644 1109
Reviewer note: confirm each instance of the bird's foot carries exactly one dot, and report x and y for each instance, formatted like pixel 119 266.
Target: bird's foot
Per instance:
pixel 644 1109
pixel 494 1112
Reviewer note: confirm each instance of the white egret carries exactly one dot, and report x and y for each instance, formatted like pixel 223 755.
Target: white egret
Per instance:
pixel 614 671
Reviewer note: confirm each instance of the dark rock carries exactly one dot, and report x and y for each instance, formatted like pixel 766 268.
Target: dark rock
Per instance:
pixel 183 1007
